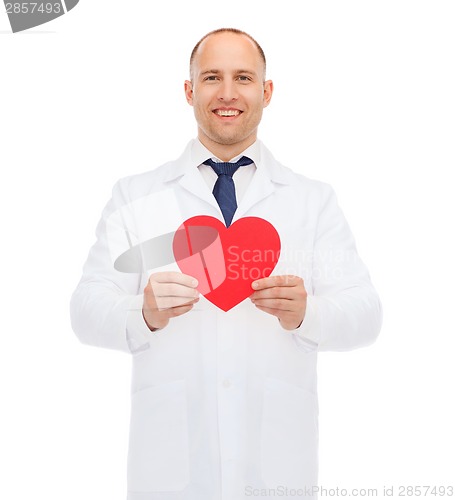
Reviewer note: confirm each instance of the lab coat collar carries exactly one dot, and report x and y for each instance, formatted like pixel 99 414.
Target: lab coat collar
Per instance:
pixel 196 153
pixel 268 177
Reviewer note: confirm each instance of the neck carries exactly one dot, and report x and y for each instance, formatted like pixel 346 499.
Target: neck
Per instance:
pixel 226 152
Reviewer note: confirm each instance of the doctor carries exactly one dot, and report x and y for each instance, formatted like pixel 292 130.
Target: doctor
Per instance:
pixel 224 404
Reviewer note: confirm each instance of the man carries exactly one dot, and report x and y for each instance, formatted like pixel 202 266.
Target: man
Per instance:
pixel 224 402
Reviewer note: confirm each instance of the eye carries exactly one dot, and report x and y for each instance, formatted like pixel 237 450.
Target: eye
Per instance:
pixel 210 78
pixel 244 78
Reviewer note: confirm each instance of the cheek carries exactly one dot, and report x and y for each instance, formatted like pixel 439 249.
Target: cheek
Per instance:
pixel 199 107
pixel 203 97
pixel 256 101
pixel 256 110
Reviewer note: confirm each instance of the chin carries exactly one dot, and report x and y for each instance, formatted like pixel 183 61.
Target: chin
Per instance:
pixel 227 140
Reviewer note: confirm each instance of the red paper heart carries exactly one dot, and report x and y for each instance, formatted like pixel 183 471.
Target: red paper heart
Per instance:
pixel 226 261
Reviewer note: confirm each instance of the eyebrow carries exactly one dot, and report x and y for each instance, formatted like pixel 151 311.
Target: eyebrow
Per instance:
pixel 238 71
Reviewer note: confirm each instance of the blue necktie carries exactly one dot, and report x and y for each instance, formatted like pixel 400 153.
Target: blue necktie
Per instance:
pixel 224 189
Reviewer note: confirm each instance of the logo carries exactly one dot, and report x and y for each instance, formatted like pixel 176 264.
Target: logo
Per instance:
pixel 25 15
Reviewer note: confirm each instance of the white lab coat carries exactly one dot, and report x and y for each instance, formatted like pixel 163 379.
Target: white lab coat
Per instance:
pixel 224 404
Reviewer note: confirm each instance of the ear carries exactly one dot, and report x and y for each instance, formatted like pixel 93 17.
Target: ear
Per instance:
pixel 189 92
pixel 268 91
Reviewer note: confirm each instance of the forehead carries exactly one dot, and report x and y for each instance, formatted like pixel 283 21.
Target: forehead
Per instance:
pixel 225 51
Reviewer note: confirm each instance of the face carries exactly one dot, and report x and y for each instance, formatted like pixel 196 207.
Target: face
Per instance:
pixel 228 92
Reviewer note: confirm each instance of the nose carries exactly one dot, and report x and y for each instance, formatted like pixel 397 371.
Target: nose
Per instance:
pixel 227 91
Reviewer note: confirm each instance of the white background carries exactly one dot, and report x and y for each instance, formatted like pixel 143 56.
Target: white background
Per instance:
pixel 364 100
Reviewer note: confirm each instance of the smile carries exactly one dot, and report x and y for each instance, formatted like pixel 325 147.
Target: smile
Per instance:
pixel 227 112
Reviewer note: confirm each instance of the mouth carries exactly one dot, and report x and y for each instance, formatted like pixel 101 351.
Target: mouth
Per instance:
pixel 227 113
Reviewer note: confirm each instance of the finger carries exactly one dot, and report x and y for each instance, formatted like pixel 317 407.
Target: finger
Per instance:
pixel 174 277
pixel 281 305
pixel 270 310
pixel 164 303
pixel 173 290
pixel 277 292
pixel 178 311
pixel 272 281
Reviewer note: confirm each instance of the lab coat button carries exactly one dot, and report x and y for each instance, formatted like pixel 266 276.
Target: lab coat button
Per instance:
pixel 226 384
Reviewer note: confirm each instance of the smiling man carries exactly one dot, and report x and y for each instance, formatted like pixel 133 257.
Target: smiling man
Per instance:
pixel 224 404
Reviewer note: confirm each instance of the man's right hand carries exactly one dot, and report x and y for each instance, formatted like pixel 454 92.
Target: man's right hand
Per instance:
pixel 168 294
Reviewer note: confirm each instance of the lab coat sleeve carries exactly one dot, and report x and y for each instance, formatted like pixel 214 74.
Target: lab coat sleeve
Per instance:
pixel 343 309
pixel 106 307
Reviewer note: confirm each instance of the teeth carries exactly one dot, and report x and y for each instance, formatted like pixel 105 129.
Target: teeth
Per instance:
pixel 227 112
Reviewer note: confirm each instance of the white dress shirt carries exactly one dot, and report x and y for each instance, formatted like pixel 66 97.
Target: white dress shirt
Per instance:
pixel 242 176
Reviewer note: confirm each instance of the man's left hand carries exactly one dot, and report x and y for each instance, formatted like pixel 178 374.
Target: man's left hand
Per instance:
pixel 282 296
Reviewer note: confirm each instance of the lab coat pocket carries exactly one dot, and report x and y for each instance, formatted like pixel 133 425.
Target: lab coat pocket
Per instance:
pixel 158 458
pixel 289 436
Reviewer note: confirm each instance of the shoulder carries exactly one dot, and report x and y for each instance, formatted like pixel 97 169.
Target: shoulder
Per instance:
pixel 300 183
pixel 150 181
pixel 145 181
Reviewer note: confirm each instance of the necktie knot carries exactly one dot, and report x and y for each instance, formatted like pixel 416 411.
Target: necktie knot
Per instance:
pixel 227 168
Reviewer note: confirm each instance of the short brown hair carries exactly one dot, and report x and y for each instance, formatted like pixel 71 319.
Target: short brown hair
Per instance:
pixel 226 30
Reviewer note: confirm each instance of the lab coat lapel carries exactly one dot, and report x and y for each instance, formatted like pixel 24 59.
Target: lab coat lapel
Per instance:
pixel 269 176
pixel 193 182
pixel 200 201
pixel 186 174
pixel 261 187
